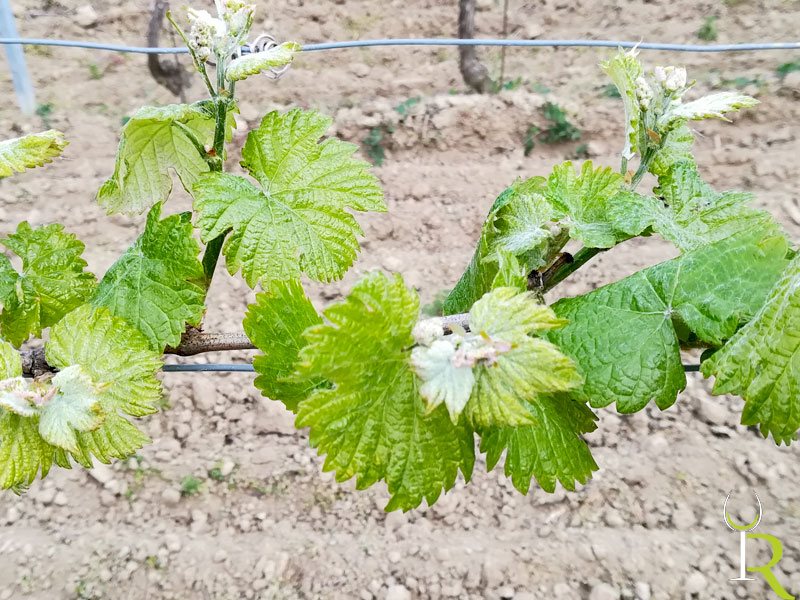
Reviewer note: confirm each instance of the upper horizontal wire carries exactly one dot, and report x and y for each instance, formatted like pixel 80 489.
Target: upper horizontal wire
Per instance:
pixel 435 42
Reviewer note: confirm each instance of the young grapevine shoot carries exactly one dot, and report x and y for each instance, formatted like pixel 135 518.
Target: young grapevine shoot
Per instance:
pixel 388 396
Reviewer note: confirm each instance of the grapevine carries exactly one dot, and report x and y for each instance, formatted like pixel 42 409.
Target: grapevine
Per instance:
pixel 387 396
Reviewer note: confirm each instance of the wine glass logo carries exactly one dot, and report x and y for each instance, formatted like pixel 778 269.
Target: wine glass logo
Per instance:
pixel 745 533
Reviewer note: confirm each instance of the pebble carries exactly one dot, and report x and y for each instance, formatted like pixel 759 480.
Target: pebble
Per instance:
pixel 683 519
pixel 561 590
pixel 398 592
pixel 46 496
pixel 86 16
pixel 642 590
pixel 102 474
pixel 712 412
pixel 360 70
pixel 603 591
pixel 505 593
pixel 199 520
pixel 227 467
pixel 173 542
pixel 60 499
pixel 204 394
pixel 220 555
pixel 171 496
pixel 394 264
pixel 533 29
pixel 395 520
pixel 12 515
pixel 696 583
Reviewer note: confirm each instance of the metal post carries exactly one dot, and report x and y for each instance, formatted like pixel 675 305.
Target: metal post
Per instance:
pixel 16 60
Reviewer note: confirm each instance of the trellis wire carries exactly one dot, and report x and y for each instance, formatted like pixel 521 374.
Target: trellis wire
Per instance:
pixel 248 368
pixel 435 42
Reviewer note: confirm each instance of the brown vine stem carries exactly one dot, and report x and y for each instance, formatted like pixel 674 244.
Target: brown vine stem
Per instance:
pixel 34 362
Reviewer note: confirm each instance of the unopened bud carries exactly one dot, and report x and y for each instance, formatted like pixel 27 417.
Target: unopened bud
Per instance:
pixel 644 93
pixel 671 78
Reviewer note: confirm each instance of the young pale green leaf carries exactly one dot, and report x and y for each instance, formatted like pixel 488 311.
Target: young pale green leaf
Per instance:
pixel 76 406
pixel 152 144
pixel 509 272
pixel 30 151
pixel 10 361
pixel 761 362
pixel 14 396
pixel 118 359
pixel 623 336
pixel 510 366
pixel 275 324
pixel 443 381
pixel 676 147
pixel 713 106
pixel 510 315
pixel 585 199
pixel 113 353
pixel 688 212
pixel 53 281
pixel 372 424
pixel 519 223
pixel 256 62
pixel 550 449
pixel 624 69
pixel 155 286
pixel 488 372
pixel 296 222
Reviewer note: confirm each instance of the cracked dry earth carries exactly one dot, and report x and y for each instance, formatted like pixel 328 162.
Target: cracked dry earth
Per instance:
pixel 265 522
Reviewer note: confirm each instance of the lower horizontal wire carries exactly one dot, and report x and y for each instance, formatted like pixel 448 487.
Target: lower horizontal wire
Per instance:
pixel 249 368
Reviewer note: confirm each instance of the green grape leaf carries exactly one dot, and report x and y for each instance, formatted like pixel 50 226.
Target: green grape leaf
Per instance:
pixel 30 151
pixel 52 282
pixel 275 324
pixel 118 358
pixel 152 145
pixel 10 361
pixel 585 199
pixel 551 449
pixel 520 223
pixel 761 362
pixel 675 147
pixel 256 62
pixel 623 336
pixel 296 222
pixel 155 286
pixel 689 213
pixel 372 423
pixel 75 407
pixel 624 69
pixel 23 451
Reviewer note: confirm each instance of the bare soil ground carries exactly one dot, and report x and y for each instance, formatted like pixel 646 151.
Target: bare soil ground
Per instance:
pixel 271 525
